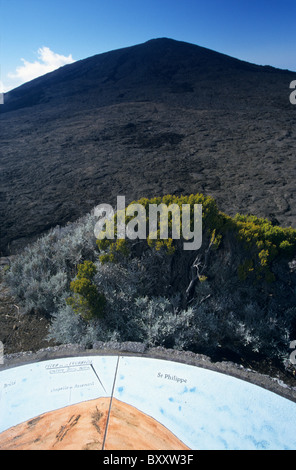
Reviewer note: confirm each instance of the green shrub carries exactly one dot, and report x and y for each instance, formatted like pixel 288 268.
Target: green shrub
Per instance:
pixel 86 301
pixel 40 276
pixel 115 250
pixel 264 243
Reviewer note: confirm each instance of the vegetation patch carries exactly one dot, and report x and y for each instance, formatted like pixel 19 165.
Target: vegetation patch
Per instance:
pixel 234 295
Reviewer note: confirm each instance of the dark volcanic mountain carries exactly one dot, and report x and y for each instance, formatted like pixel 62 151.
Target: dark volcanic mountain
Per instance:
pixel 161 117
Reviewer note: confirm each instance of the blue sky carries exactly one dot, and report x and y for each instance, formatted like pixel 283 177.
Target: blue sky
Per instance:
pixel 38 35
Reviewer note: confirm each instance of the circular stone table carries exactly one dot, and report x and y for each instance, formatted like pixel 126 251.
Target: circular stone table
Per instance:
pixel 128 397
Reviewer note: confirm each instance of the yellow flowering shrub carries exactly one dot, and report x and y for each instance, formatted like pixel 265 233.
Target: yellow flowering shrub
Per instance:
pixel 86 301
pixel 262 241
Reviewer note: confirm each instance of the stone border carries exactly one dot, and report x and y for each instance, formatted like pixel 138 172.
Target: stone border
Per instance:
pixel 141 350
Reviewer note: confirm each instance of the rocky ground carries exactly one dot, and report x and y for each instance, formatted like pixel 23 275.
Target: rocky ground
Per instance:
pixel 19 331
pixel 246 161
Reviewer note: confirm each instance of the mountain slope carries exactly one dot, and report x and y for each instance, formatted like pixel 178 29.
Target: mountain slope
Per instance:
pixel 153 70
pixel 156 118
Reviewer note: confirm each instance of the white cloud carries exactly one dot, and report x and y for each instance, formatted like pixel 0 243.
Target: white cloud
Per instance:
pixel 3 89
pixel 47 62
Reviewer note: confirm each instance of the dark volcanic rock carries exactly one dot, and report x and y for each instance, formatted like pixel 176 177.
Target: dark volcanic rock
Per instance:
pixel 161 117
